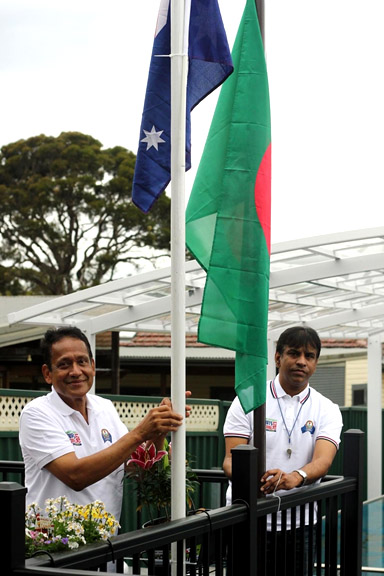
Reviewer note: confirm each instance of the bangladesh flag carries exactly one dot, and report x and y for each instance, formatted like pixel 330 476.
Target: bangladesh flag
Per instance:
pixel 229 213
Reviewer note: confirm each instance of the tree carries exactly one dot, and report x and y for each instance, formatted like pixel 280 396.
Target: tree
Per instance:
pixel 67 220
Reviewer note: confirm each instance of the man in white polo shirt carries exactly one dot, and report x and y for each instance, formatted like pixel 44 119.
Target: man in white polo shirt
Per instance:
pixel 74 443
pixel 302 427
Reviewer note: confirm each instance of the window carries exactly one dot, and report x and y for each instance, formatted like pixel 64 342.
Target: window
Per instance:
pixel 359 395
pixel 330 381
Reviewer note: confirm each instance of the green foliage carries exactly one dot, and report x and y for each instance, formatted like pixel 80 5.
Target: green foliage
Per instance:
pixel 67 220
pixel 66 526
pixel 153 483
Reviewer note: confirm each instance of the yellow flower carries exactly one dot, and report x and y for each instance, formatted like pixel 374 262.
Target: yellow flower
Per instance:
pixel 70 525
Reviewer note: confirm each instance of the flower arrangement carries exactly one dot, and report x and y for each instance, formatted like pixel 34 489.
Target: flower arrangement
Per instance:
pixel 151 472
pixel 66 526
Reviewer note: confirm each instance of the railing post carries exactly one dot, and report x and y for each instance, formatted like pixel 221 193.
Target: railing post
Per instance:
pixel 244 489
pixel 352 509
pixel 12 527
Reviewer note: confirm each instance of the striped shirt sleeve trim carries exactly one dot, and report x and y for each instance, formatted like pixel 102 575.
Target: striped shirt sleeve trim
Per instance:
pixel 234 435
pixel 329 440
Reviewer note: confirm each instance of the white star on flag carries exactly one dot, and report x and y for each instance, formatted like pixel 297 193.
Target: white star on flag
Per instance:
pixel 152 138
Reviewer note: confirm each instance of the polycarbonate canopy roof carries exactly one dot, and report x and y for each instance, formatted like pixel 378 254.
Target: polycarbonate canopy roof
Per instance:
pixel 334 283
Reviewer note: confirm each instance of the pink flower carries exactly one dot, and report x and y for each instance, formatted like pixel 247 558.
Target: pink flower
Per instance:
pixel 146 457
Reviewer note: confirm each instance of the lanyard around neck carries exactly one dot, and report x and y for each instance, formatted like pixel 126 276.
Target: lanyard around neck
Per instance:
pixel 289 432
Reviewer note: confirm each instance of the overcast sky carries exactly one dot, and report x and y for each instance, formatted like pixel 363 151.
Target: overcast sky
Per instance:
pixel 82 65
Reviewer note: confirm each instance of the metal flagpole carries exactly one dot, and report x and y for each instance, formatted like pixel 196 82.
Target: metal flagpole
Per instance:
pixel 261 17
pixel 259 413
pixel 179 71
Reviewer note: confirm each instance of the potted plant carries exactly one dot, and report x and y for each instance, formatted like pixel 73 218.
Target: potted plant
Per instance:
pixel 151 472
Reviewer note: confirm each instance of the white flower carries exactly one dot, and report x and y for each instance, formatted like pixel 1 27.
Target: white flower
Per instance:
pixel 76 527
pixel 67 521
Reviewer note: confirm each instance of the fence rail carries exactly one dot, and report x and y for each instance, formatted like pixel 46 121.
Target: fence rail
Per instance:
pixel 231 539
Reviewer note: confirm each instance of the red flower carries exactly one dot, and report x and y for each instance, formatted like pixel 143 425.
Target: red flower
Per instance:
pixel 146 457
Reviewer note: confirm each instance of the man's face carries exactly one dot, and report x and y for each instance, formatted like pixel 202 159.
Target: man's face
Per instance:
pixel 72 370
pixel 296 366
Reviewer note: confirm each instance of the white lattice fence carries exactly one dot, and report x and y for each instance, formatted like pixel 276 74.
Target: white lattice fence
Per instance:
pixel 10 409
pixel 203 418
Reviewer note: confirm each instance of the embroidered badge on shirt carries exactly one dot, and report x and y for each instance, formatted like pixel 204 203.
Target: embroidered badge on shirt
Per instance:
pixel 308 427
pixel 74 437
pixel 106 436
pixel 270 425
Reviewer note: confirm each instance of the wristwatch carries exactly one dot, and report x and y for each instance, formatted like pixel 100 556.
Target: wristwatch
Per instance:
pixel 303 475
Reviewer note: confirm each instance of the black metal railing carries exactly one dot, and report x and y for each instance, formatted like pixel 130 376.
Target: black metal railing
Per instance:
pixel 12 471
pixel 231 540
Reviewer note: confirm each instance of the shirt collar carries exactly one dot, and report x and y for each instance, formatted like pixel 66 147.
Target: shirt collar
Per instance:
pixel 67 410
pixel 278 392
pixel 59 404
pixel 63 406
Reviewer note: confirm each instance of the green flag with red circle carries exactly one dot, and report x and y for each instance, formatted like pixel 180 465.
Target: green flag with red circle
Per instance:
pixel 228 218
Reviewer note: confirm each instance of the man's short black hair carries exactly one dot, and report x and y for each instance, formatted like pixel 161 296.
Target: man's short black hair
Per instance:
pixel 54 335
pixel 299 337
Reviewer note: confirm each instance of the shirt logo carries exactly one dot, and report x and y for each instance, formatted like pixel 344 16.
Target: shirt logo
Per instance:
pixel 106 436
pixel 308 427
pixel 74 437
pixel 270 425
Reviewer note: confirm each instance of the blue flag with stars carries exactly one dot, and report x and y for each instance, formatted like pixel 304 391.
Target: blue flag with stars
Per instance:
pixel 210 63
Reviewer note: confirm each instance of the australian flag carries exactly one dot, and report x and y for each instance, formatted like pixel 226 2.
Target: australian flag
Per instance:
pixel 210 63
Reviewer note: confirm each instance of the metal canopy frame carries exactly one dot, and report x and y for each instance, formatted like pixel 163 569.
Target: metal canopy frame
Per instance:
pixel 333 283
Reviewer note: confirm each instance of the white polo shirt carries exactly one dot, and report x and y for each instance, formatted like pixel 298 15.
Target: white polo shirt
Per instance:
pixel 49 428
pixel 292 426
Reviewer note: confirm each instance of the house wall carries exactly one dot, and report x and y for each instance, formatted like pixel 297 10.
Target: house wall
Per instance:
pixel 151 383
pixel 356 372
pixel 203 381
pixel 220 386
